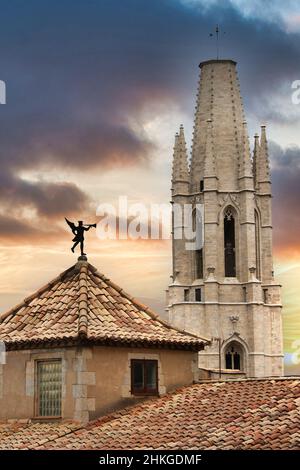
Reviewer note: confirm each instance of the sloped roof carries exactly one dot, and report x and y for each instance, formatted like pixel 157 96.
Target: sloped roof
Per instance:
pixel 82 305
pixel 242 414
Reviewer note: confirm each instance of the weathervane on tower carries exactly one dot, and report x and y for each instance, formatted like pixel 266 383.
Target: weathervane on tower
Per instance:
pixel 217 33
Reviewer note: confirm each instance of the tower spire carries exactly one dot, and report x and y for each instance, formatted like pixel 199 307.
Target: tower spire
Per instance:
pixel 218 99
pixel 180 159
pixel 264 155
pixel 263 167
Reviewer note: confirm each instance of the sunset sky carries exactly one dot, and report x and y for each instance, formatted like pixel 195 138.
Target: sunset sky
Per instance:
pixel 96 90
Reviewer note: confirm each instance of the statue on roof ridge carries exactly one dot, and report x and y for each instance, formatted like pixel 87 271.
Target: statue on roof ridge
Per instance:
pixel 78 231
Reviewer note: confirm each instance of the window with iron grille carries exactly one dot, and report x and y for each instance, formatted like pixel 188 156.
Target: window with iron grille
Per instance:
pixel 144 378
pixel 49 386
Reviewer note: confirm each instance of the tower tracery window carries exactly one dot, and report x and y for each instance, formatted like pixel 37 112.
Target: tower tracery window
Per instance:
pixel 228 215
pixel 233 357
pixel 229 243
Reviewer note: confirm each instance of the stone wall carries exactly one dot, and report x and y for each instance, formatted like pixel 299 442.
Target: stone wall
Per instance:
pixel 95 380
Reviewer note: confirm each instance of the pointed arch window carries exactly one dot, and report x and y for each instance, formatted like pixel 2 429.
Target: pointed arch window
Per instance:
pixel 233 357
pixel 229 243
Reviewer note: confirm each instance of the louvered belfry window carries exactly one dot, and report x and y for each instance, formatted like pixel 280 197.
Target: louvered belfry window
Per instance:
pixel 49 385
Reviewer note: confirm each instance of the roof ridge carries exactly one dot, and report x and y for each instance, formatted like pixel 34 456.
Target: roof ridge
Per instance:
pixel 270 378
pixel 142 306
pixel 37 293
pixel 83 301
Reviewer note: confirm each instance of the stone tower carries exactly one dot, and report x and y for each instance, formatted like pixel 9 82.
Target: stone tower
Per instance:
pixel 224 289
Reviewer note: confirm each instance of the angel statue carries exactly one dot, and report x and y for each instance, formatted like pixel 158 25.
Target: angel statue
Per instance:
pixel 79 234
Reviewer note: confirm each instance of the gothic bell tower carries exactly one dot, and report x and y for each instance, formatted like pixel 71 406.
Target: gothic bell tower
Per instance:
pixel 224 289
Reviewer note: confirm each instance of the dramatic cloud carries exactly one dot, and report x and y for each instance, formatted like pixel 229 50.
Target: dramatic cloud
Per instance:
pixel 14 231
pixel 286 191
pixel 81 75
pixel 270 10
pixel 11 227
pixel 46 199
pixel 78 74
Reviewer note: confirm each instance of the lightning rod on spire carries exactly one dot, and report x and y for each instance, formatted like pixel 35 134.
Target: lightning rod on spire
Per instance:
pixel 217 33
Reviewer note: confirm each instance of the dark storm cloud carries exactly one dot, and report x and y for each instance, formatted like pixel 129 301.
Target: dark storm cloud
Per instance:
pixel 46 199
pixel 286 192
pixel 285 159
pixel 77 71
pixel 276 116
pixel 14 230
pixel 12 227
pixel 79 145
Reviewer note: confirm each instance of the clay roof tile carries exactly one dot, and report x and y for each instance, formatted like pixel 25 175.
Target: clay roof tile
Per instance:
pixel 85 304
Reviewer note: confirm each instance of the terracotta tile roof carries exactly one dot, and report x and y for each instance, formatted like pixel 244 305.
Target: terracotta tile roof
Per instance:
pixel 244 414
pixel 20 435
pixel 82 305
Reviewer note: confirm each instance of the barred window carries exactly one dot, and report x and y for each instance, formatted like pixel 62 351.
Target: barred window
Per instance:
pixel 49 386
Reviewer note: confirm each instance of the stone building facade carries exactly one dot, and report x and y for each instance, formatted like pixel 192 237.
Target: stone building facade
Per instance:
pixel 225 287
pixel 94 380
pixel 81 347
